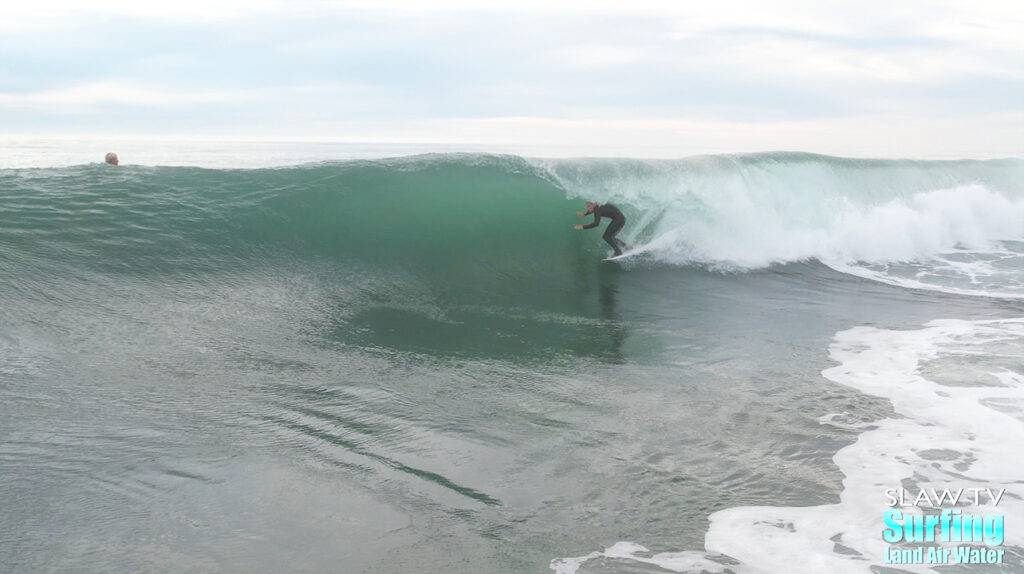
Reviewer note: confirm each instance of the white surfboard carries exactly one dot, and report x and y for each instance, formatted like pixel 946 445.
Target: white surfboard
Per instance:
pixel 624 255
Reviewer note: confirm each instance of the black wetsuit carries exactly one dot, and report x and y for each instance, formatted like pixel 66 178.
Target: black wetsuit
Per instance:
pixel 618 220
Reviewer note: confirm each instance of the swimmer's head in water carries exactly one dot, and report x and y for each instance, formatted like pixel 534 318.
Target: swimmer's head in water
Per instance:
pixel 111 158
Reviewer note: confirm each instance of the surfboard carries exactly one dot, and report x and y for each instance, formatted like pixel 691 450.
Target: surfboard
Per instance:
pixel 624 255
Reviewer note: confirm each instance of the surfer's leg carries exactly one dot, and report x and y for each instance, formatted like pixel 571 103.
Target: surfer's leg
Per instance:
pixel 615 246
pixel 609 237
pixel 618 225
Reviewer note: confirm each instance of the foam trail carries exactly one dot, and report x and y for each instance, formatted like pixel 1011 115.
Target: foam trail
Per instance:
pixel 957 389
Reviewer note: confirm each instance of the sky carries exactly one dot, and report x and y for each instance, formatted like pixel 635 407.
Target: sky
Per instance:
pixel 903 78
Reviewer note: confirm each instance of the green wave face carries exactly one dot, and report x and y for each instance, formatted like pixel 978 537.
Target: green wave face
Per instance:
pixel 425 213
pixel 450 255
pixel 495 214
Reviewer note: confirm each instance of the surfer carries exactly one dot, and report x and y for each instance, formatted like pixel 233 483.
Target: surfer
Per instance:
pixel 611 212
pixel 111 158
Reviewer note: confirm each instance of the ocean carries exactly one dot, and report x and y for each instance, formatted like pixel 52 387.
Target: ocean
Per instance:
pixel 416 364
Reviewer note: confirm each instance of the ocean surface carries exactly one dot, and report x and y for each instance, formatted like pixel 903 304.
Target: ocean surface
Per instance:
pixel 416 364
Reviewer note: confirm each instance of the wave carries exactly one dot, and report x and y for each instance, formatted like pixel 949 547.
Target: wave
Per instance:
pixel 950 226
pixel 880 219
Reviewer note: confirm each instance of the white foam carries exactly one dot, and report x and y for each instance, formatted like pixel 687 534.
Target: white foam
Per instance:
pixel 672 561
pixel 844 421
pixel 919 228
pixel 942 240
pixel 868 218
pixel 964 279
pixel 975 427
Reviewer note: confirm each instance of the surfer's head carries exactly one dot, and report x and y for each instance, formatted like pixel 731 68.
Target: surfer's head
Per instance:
pixel 590 206
pixel 111 158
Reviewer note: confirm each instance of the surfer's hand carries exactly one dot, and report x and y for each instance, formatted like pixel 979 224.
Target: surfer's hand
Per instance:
pixel 580 213
pixel 578 226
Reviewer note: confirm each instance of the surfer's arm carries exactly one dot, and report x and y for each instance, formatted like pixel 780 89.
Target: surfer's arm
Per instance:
pixel 597 219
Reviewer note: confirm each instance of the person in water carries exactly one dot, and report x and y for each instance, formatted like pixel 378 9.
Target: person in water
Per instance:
pixel 611 212
pixel 111 158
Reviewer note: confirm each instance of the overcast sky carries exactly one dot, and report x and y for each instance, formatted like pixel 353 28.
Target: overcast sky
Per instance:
pixel 899 77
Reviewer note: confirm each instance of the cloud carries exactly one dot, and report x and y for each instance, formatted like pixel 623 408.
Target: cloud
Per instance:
pixel 39 13
pixel 993 135
pixel 111 93
pixel 600 55
pixel 305 67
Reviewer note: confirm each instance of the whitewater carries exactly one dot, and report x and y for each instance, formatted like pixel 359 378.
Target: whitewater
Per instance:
pixel 386 364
